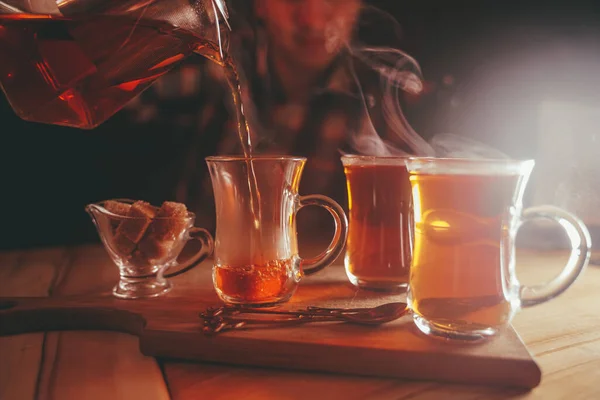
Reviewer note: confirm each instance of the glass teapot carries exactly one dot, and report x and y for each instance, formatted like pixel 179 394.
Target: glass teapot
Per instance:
pixel 78 62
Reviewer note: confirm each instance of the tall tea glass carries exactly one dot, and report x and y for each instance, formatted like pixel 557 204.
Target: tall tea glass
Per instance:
pixel 379 246
pixel 467 214
pixel 256 260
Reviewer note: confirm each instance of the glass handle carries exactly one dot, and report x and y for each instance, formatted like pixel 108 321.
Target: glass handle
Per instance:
pixel 206 240
pixel 315 264
pixel 578 259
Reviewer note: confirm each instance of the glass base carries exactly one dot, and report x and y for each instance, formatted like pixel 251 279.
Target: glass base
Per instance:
pixel 443 332
pixel 132 288
pixel 378 286
pixel 233 301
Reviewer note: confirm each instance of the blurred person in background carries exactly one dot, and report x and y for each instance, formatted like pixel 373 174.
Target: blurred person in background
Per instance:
pixel 304 93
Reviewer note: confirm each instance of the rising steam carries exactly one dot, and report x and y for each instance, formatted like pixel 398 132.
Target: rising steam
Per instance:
pixel 396 71
pixel 400 73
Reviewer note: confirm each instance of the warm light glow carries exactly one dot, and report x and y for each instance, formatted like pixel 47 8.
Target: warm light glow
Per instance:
pixel 439 224
pixel 167 62
pixel 416 202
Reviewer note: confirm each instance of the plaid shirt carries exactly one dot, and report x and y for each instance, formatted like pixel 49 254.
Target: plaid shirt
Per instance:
pixel 196 96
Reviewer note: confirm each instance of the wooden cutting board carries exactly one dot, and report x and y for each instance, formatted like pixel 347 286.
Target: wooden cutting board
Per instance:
pixel 170 327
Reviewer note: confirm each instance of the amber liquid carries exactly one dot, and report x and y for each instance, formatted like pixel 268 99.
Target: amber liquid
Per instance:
pixel 245 141
pixel 379 246
pixel 79 72
pixel 256 284
pixel 457 281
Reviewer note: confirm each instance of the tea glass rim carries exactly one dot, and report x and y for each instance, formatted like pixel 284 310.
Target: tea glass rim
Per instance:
pixel 190 215
pixel 258 157
pixel 359 159
pixel 463 165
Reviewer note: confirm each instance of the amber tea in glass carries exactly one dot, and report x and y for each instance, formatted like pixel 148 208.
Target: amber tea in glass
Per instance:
pixel 379 246
pixel 467 214
pixel 256 259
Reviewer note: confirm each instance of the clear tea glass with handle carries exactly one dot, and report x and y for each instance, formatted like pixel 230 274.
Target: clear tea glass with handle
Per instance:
pixel 78 62
pixel 256 260
pixel 463 282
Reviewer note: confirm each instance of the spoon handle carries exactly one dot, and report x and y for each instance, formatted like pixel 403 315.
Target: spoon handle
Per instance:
pixel 277 320
pixel 228 311
pixel 336 310
pixel 222 323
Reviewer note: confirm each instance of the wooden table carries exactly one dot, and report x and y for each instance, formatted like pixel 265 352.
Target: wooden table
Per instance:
pixel 563 335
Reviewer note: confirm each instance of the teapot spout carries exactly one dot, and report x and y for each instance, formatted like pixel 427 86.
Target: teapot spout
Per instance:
pixel 223 10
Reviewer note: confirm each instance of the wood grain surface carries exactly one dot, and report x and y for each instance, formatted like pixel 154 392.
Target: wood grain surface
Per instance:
pixel 563 335
pixel 170 327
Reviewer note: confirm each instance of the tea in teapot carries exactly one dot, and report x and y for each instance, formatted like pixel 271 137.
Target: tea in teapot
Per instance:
pixel 77 63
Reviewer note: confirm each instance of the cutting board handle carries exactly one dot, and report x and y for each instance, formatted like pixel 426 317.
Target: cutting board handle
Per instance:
pixel 34 314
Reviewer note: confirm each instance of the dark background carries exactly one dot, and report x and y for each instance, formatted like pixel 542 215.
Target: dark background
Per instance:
pixel 487 65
